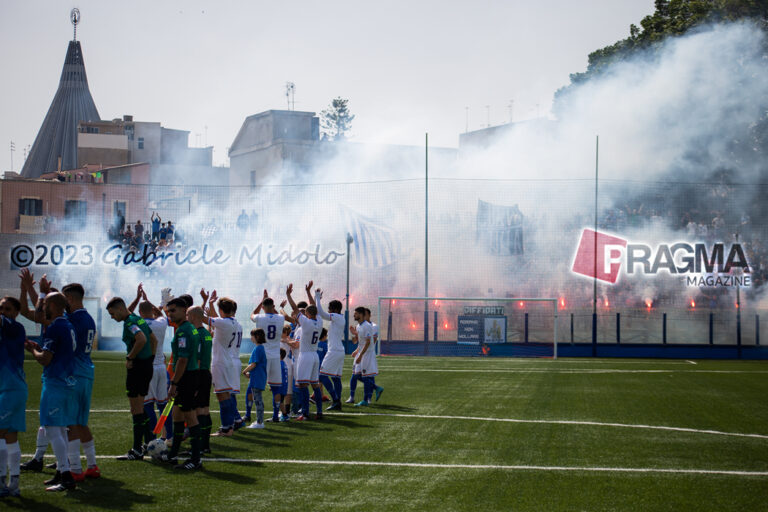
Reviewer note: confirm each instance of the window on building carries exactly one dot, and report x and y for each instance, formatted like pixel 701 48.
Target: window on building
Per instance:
pixel 30 206
pixel 75 214
pixel 141 142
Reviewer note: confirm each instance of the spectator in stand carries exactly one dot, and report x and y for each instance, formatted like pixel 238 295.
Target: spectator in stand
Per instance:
pixel 254 220
pixel 163 233
pixel 242 221
pixel 120 222
pixel 169 236
pixel 155 218
pixel 139 229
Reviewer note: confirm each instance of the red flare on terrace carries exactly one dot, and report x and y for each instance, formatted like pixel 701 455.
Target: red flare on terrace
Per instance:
pixel 413 325
pixel 446 326
pixel 606 303
pixel 693 303
pixel 648 303
pixel 737 305
pixel 562 302
pixel 521 303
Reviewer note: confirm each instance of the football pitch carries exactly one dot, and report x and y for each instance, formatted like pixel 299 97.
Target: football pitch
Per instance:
pixel 458 434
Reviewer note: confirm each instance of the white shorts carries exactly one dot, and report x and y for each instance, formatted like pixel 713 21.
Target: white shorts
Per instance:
pixel 369 367
pixel 307 368
pixel 333 364
pixel 158 386
pixel 226 377
pixel 274 373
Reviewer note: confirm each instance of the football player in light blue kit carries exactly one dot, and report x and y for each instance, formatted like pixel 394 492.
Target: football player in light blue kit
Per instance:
pixel 13 395
pixel 57 356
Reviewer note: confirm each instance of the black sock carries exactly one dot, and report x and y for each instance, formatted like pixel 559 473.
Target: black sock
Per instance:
pixel 205 430
pixel 148 435
pixel 178 437
pixel 194 440
pixel 138 430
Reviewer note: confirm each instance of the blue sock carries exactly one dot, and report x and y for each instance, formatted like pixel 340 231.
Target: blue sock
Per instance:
pixel 233 399
pixel 337 387
pixel 168 422
pixel 305 399
pixel 275 406
pixel 225 411
pixel 352 386
pixel 326 381
pixel 318 400
pixel 149 410
pixel 368 387
pixel 248 402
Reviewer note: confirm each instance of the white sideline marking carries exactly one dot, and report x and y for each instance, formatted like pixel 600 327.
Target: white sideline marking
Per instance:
pixel 506 420
pixel 692 362
pixel 559 422
pixel 477 466
pixel 560 370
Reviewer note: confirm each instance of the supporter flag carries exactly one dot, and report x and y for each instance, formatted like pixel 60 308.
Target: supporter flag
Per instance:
pixel 374 245
pixel 500 228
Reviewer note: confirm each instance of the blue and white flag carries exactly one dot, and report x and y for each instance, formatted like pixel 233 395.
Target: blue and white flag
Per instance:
pixel 374 245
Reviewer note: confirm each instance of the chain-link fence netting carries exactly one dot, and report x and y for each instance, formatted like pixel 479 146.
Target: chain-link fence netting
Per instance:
pixel 675 262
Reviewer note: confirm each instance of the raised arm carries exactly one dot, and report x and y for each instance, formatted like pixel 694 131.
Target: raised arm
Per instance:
pixel 317 301
pixel 288 292
pixel 308 288
pixel 139 294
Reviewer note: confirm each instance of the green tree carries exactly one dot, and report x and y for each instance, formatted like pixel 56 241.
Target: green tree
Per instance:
pixel 670 18
pixel 336 121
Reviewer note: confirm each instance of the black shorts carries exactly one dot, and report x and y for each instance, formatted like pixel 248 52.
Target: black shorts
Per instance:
pixel 138 377
pixel 186 391
pixel 204 383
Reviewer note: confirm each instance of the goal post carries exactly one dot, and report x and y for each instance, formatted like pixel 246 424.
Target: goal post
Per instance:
pixel 518 326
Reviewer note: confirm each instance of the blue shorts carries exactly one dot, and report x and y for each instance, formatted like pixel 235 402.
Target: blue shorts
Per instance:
pixel 13 414
pixel 82 405
pixel 57 406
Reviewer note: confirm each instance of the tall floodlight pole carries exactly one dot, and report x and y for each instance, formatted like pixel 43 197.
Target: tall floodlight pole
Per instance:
pixel 426 239
pixel 346 312
pixel 594 270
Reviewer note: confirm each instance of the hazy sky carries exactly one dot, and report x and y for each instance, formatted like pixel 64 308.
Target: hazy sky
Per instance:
pixel 406 67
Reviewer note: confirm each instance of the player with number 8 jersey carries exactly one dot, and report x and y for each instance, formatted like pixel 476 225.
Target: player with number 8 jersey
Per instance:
pixel 272 324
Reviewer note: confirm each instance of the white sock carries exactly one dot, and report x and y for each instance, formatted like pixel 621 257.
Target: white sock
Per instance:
pixel 57 436
pixel 42 443
pixel 3 459
pixel 89 449
pixel 14 459
pixel 74 456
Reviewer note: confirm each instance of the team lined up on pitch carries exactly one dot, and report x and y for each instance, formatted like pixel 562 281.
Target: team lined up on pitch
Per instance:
pixel 293 352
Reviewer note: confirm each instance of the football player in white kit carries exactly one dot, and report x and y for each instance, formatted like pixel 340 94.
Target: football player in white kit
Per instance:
pixel 365 355
pixel 378 390
pixel 308 365
pixel 272 323
pixel 225 358
pixel 333 363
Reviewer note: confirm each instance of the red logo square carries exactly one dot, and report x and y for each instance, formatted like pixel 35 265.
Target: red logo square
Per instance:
pixel 610 251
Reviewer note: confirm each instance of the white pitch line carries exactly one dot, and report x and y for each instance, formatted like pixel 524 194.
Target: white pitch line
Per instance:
pixel 692 362
pixel 563 370
pixel 683 471
pixel 506 420
pixel 561 422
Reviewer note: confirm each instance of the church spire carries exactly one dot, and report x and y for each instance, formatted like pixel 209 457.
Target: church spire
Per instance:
pixel 57 138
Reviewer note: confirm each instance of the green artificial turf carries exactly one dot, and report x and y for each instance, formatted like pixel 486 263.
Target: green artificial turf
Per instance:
pixel 438 412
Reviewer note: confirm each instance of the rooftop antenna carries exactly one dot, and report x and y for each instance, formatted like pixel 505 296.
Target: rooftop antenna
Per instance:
pixel 74 17
pixel 290 92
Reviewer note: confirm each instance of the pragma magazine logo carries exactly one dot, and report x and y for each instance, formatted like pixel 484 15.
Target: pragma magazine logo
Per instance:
pixel 699 264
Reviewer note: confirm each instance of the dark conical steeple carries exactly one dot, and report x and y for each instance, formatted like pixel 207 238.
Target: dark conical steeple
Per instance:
pixel 58 134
